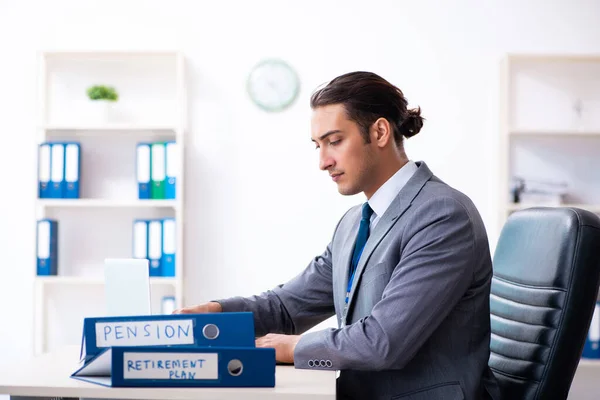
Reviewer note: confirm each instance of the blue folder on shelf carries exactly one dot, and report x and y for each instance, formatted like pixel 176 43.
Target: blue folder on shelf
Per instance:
pixel 171 168
pixel 143 161
pixel 140 239
pixel 169 241
pixel 57 170
pixel 44 171
pixel 72 167
pixel 155 239
pixel 47 247
pixel 591 348
pixel 167 304
pixel 181 367
pixel 191 330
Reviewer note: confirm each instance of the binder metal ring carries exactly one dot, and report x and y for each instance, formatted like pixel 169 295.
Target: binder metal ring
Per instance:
pixel 235 367
pixel 210 331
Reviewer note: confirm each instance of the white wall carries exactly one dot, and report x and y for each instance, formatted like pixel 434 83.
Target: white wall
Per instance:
pixel 258 207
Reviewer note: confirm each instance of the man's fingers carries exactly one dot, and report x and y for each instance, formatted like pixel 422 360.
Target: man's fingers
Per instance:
pixel 199 309
pixel 262 342
pixel 185 310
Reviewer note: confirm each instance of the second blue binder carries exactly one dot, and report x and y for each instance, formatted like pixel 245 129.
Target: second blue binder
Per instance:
pixel 181 367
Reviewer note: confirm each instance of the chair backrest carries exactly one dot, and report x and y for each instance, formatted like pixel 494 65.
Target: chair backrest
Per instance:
pixel 544 289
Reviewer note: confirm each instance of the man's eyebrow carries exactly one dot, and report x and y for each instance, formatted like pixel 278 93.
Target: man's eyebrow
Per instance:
pixel 323 136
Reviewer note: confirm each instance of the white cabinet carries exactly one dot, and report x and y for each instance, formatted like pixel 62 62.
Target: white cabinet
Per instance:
pixel 550 132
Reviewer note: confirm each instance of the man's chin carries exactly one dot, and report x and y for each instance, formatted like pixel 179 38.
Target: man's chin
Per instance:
pixel 347 191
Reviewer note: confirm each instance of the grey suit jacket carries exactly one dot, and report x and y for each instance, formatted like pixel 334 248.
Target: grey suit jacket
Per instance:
pixel 417 324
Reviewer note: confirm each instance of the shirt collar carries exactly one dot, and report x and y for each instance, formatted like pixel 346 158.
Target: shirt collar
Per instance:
pixel 383 197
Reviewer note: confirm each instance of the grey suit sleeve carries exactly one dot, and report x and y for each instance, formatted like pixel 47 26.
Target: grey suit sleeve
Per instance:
pixel 295 306
pixel 435 270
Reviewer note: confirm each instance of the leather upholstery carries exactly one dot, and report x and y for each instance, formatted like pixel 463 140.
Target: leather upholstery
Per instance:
pixel 544 288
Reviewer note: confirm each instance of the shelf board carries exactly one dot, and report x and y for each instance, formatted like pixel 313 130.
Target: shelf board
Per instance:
pixel 83 54
pixel 111 127
pixel 595 208
pixel 92 280
pixel 553 133
pixel 588 362
pixel 554 57
pixel 103 203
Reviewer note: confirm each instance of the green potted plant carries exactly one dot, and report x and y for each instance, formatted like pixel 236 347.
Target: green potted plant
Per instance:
pixel 101 92
pixel 103 99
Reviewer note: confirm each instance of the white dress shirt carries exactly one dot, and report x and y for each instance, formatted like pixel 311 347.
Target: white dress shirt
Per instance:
pixel 383 197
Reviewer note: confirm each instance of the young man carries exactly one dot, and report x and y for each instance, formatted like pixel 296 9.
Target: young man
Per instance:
pixel 407 273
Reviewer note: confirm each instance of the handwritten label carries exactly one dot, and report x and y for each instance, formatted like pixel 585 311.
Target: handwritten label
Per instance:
pixel 144 333
pixel 170 366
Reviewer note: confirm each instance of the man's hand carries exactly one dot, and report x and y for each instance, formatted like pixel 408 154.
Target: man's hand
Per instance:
pixel 284 346
pixel 210 307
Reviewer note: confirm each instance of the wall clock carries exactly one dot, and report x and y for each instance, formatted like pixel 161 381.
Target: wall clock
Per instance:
pixel 273 85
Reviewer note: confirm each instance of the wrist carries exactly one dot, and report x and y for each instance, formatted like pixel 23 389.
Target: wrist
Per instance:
pixel 292 349
pixel 215 307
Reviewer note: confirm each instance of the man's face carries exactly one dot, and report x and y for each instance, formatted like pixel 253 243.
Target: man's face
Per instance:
pixel 343 152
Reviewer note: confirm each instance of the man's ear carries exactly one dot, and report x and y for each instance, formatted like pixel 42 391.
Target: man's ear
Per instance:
pixel 381 132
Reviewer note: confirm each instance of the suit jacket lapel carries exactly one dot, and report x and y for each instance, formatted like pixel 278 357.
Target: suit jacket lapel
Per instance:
pixel 387 220
pixel 344 261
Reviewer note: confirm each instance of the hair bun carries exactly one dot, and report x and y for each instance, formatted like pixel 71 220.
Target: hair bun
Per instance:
pixel 413 123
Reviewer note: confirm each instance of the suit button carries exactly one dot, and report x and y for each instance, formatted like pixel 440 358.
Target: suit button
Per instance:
pixel 322 363
pixel 311 363
pixel 328 363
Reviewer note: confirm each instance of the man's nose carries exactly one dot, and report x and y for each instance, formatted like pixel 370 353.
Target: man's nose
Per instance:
pixel 325 162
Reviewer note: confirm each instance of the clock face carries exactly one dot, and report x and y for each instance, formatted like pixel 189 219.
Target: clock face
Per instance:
pixel 273 85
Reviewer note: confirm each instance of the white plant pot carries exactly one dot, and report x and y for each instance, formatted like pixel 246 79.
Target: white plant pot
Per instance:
pixel 102 111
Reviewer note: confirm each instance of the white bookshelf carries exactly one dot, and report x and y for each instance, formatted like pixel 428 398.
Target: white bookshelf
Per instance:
pixel 550 127
pixel 550 131
pixel 114 127
pixel 151 107
pixel 554 133
pixel 110 203
pixel 78 280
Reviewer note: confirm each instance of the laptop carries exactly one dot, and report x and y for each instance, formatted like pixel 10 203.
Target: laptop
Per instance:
pixel 127 287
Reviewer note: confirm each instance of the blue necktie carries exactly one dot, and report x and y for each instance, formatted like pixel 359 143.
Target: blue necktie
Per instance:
pixel 361 239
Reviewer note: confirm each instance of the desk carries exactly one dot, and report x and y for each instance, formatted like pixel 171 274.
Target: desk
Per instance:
pixel 49 376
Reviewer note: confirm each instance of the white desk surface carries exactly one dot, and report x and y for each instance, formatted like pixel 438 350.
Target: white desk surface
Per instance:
pixel 49 376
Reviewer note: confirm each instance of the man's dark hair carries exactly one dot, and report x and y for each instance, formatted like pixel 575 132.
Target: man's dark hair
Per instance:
pixel 366 97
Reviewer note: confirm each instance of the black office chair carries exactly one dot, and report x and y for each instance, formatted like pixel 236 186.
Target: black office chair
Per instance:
pixel 544 288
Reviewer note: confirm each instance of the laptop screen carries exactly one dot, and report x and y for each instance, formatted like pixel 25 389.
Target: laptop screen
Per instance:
pixel 127 287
